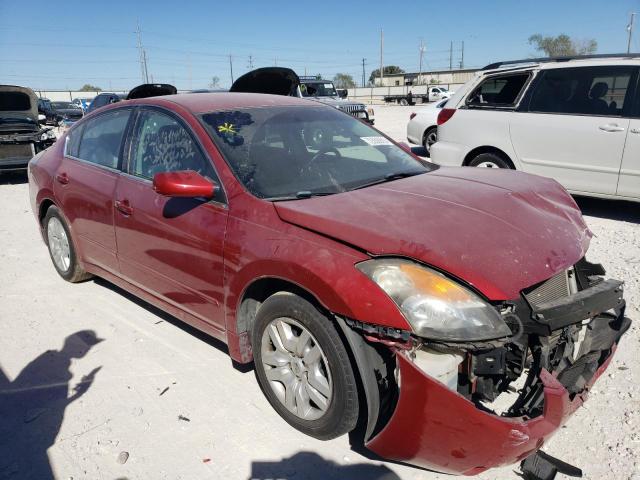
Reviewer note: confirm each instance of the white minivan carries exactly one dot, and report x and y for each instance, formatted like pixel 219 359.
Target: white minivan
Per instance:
pixel 576 120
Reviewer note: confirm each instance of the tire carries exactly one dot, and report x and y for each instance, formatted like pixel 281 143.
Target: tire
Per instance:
pixel 319 360
pixel 58 238
pixel 490 160
pixel 429 138
pixel 404 102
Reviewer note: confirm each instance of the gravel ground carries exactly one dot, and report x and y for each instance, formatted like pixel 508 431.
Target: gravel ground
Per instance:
pixel 155 399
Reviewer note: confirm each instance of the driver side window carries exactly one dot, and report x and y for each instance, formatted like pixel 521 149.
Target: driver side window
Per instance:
pixel 162 144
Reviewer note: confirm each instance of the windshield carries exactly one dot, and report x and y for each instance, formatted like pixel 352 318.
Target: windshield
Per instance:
pixel 14 101
pixel 281 153
pixel 320 89
pixel 62 105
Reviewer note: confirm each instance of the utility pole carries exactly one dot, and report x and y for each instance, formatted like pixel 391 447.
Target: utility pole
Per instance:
pixel 451 56
pixel 190 76
pixel 250 62
pixel 462 56
pixel 630 30
pixel 142 55
pixel 381 48
pixel 421 55
pixel 363 71
pixel 231 67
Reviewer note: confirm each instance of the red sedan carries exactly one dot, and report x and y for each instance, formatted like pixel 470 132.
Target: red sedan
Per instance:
pixel 374 292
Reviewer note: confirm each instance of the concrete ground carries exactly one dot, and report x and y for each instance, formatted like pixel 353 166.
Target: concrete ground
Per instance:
pixel 146 397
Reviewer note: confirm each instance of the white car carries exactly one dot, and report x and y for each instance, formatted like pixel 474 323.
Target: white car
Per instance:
pixel 575 120
pixel 439 93
pixel 422 128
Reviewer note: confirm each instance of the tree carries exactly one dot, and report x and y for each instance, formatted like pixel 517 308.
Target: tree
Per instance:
pixel 90 88
pixel 388 70
pixel 562 45
pixel 343 80
pixel 215 82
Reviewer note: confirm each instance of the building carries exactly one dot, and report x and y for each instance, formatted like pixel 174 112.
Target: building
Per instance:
pixel 445 77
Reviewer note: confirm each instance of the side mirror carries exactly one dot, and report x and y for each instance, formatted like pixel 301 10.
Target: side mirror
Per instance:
pixel 343 93
pixel 41 118
pixel 184 183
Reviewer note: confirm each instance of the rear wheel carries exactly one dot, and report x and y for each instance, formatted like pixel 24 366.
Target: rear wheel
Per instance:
pixel 404 102
pixel 429 138
pixel 61 248
pixel 303 367
pixel 490 160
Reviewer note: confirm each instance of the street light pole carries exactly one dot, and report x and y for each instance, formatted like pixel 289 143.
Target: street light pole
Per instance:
pixel 630 30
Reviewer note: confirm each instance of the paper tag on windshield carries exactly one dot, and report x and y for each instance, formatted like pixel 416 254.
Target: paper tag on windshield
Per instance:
pixel 376 141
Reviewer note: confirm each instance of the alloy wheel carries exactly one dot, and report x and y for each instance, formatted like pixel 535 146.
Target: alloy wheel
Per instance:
pixel 58 244
pixel 296 368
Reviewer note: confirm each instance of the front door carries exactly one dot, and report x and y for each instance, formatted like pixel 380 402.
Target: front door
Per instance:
pixel 170 247
pixel 85 183
pixel 575 126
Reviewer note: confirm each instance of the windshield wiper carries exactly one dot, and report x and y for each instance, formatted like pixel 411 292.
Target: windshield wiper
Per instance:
pixel 388 178
pixel 309 194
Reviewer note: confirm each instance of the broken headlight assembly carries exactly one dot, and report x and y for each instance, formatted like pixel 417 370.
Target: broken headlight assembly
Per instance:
pixel 435 306
pixel 48 135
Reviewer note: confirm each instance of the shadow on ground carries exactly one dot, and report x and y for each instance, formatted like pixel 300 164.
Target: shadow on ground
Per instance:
pixel 32 407
pixel 311 466
pixel 611 209
pixel 13 178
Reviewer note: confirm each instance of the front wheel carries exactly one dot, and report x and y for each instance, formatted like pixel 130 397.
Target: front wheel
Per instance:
pixel 303 367
pixel 490 160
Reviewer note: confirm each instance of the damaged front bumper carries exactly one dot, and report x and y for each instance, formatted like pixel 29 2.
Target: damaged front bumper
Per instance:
pixel 16 149
pixel 435 427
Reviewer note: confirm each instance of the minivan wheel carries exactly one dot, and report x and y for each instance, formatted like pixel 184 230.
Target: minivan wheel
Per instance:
pixel 490 160
pixel 430 137
pixel 303 367
pixel 61 248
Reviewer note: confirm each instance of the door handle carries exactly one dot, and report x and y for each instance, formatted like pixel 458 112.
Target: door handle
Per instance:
pixel 611 127
pixel 123 207
pixel 62 178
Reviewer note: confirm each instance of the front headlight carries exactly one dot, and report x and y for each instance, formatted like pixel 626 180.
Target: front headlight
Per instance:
pixel 435 306
pixel 48 135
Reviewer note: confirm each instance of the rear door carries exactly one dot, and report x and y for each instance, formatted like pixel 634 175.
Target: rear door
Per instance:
pixel 572 126
pixel 170 247
pixel 629 181
pixel 85 183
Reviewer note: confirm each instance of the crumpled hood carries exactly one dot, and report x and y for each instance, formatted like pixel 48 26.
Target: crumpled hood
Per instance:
pixel 498 230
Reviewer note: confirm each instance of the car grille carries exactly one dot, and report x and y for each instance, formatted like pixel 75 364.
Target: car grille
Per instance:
pixel 352 108
pixel 14 151
pixel 556 287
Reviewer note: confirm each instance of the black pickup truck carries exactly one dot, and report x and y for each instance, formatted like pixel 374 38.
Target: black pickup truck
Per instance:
pixel 21 135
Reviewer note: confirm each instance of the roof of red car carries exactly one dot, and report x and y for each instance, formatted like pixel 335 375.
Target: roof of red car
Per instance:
pixel 209 102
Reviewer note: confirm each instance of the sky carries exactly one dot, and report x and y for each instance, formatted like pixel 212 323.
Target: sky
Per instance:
pixel 63 45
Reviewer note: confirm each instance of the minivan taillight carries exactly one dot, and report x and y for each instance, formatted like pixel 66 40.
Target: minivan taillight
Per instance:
pixel 445 114
pixel 412 116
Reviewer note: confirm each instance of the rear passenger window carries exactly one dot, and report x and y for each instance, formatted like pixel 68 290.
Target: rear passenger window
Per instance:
pixel 102 136
pixel 73 141
pixel 498 91
pixel 582 91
